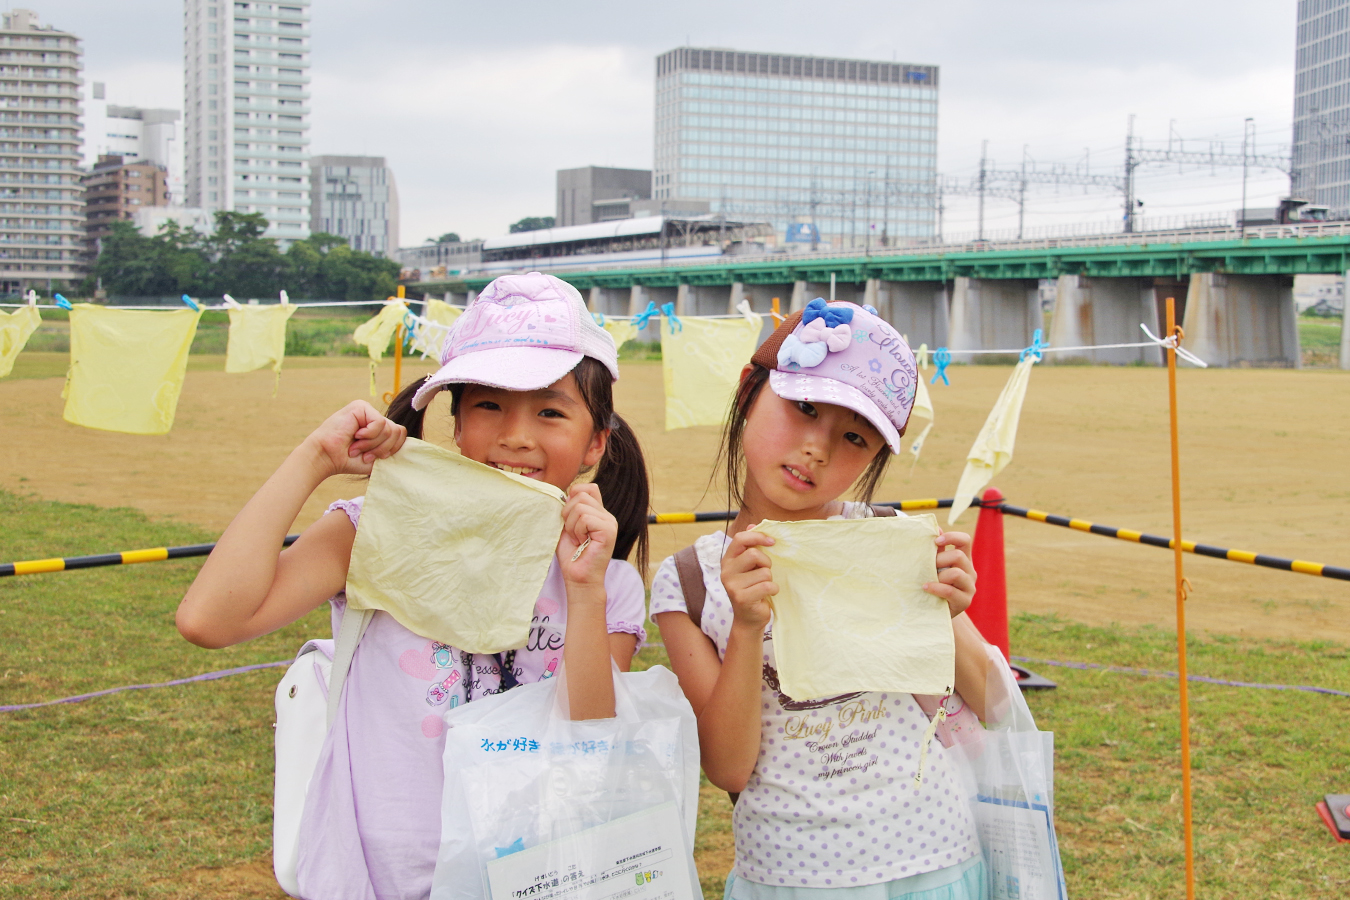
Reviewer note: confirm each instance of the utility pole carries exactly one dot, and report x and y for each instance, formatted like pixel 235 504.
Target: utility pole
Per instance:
pixel 984 152
pixel 1022 194
pixel 1129 176
pixel 1247 125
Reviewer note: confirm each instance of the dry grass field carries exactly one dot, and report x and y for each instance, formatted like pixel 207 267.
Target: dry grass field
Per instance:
pixel 1263 469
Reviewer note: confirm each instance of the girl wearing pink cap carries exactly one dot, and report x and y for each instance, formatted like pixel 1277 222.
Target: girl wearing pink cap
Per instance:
pixel 528 375
pixel 828 808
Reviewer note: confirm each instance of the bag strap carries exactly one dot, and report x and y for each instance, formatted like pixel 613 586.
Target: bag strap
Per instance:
pixel 881 509
pixel 691 582
pixel 354 625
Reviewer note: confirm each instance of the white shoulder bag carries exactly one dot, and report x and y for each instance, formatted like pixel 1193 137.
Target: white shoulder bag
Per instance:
pixel 307 703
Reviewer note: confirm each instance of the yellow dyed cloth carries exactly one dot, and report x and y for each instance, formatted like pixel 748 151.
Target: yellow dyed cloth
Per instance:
pixel 15 330
pixel 993 448
pixel 454 550
pixel 257 337
pixel 427 339
pixel 374 334
pixel 851 613
pixel 622 330
pixel 126 367
pixel 702 361
pixel 923 409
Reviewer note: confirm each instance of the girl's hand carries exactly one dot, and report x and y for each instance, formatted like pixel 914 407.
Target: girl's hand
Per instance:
pixel 586 519
pixel 748 577
pixel 351 439
pixel 956 576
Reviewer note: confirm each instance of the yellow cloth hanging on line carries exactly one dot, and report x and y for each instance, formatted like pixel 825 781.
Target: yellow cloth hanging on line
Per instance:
pixel 258 338
pixel 702 361
pixel 923 409
pixel 126 367
pixel 851 613
pixel 993 448
pixel 427 340
pixel 374 334
pixel 622 330
pixel 15 330
pixel 454 550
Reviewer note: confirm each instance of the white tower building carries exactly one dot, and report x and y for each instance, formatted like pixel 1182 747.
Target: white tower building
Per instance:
pixel 246 92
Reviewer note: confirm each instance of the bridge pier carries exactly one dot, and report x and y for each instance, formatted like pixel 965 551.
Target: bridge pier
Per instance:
pixel 917 309
pixel 1103 311
pixel 993 313
pixel 1242 320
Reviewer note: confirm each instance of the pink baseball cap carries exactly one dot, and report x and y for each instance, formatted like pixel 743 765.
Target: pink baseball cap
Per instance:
pixel 524 332
pixel 846 355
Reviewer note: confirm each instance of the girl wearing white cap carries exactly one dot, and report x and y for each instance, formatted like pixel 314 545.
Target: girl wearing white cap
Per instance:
pixel 841 383
pixel 529 376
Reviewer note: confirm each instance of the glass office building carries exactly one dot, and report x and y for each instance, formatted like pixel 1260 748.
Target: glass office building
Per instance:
pixel 847 146
pixel 1322 105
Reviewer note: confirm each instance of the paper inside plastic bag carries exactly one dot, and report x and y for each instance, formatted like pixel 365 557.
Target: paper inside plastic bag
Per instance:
pixel 454 550
pixel 851 613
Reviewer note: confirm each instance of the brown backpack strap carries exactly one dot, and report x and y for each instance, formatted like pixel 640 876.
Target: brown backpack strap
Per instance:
pixel 691 582
pixel 879 509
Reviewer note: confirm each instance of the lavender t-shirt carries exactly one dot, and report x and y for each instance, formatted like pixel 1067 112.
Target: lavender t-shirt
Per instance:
pixel 371 824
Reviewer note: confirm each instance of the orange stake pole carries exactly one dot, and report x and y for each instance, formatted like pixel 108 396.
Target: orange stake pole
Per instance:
pixel 1189 837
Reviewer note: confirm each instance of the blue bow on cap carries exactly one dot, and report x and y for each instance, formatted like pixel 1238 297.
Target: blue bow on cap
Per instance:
pixel 817 309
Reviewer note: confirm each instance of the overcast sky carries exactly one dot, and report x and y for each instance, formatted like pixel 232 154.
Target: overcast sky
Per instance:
pixel 476 105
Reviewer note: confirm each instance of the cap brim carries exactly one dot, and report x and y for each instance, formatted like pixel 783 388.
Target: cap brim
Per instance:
pixel 509 368
pixel 818 389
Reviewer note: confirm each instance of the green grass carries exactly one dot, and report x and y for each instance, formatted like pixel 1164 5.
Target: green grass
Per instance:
pixel 1320 339
pixel 126 795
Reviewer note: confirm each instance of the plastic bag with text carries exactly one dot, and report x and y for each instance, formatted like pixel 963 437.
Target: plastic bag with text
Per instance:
pixel 1009 767
pixel 573 809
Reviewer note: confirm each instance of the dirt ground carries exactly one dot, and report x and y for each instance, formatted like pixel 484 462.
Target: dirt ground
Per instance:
pixel 1264 468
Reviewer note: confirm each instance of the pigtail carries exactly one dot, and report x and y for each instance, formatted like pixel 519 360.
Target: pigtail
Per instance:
pixel 622 478
pixel 401 410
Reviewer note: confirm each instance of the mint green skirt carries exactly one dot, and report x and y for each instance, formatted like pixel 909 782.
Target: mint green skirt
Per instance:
pixel 963 881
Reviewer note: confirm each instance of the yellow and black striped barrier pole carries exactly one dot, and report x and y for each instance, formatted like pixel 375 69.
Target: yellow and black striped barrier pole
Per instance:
pixel 156 554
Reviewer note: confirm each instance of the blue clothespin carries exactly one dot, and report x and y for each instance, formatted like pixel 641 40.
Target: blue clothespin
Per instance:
pixel 941 357
pixel 668 310
pixel 191 304
pixel 409 330
pixel 63 302
pixel 640 320
pixel 1037 345
pixel 599 319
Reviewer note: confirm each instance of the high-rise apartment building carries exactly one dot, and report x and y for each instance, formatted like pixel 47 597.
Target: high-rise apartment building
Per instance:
pixel 246 91
pixel 355 197
pixel 1322 105
pixel 41 199
pixel 848 145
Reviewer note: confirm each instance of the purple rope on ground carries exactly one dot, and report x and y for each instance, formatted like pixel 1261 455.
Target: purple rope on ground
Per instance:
pixel 208 676
pixel 1126 670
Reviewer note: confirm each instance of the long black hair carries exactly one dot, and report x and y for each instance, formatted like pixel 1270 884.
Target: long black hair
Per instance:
pixel 621 473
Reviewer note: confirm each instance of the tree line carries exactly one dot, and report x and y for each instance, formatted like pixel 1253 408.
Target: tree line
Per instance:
pixel 236 259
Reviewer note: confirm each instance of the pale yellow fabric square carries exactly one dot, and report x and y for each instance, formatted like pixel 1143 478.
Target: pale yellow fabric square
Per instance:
pixel 15 330
pixel 374 334
pixel 257 337
pixel 993 447
pixel 923 409
pixel 126 367
pixel 851 613
pixel 701 360
pixel 621 330
pixel 428 338
pixel 454 550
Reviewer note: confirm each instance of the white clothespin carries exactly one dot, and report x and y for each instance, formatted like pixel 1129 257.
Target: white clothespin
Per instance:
pixel 745 309
pixel 32 298
pixel 230 302
pixel 285 299
pixel 1171 343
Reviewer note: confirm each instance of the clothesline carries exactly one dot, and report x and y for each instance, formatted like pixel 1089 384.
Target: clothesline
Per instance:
pixel 217 308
